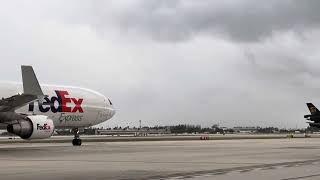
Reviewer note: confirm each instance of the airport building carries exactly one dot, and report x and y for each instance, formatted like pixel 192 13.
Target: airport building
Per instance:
pixel 246 129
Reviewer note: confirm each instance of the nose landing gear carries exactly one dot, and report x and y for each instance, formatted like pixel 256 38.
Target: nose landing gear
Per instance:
pixel 76 141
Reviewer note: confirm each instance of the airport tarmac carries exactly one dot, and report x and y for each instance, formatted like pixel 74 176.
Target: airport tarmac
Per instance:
pixel 166 137
pixel 283 159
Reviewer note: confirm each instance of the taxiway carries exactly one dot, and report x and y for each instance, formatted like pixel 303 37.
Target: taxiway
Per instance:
pixel 283 159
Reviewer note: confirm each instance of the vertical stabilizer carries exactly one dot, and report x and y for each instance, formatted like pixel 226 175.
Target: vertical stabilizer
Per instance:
pixel 313 109
pixel 31 84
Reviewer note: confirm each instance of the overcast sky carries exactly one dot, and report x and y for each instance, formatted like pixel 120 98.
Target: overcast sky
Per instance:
pixel 235 63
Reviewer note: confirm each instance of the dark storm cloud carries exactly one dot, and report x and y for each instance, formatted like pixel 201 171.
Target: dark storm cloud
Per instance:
pixel 174 20
pixel 166 62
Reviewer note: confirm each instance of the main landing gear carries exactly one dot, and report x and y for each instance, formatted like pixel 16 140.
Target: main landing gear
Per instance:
pixel 76 141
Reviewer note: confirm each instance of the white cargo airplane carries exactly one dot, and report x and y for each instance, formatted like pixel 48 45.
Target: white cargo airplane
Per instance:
pixel 32 111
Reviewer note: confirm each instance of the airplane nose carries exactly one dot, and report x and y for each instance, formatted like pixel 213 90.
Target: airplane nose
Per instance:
pixel 110 110
pixel 113 112
pixel 110 103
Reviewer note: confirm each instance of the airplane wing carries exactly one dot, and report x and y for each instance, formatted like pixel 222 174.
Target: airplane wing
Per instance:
pixel 31 88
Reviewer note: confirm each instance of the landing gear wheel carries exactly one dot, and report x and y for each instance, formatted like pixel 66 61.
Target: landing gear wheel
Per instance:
pixel 76 141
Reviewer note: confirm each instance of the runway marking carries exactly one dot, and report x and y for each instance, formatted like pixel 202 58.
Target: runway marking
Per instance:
pixel 117 161
pixel 246 170
pixel 243 169
pixel 302 177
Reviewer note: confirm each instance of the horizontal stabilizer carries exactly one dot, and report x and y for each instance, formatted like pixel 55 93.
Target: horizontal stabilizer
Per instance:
pixel 31 84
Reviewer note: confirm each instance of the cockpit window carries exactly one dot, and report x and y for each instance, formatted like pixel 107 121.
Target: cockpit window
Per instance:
pixel 110 102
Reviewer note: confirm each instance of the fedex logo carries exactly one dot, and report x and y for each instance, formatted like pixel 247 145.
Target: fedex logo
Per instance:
pixel 59 103
pixel 44 127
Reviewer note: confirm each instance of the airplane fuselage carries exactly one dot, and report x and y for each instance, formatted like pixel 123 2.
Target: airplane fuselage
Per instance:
pixel 68 107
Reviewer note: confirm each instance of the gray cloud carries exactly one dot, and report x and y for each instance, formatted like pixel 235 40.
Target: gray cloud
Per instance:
pixel 174 20
pixel 168 62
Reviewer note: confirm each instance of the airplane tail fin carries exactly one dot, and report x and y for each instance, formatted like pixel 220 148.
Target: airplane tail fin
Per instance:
pixel 312 108
pixel 31 84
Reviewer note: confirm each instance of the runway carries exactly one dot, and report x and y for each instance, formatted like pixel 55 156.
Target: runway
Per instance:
pixel 283 159
pixel 172 137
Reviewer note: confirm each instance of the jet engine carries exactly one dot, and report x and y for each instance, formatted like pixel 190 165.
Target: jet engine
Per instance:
pixel 315 125
pixel 32 127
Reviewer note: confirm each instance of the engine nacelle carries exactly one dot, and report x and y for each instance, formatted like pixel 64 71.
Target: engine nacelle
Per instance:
pixel 32 127
pixel 315 125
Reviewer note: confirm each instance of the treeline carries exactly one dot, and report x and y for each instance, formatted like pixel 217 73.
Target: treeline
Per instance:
pixel 268 130
pixel 215 129
pixel 183 128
